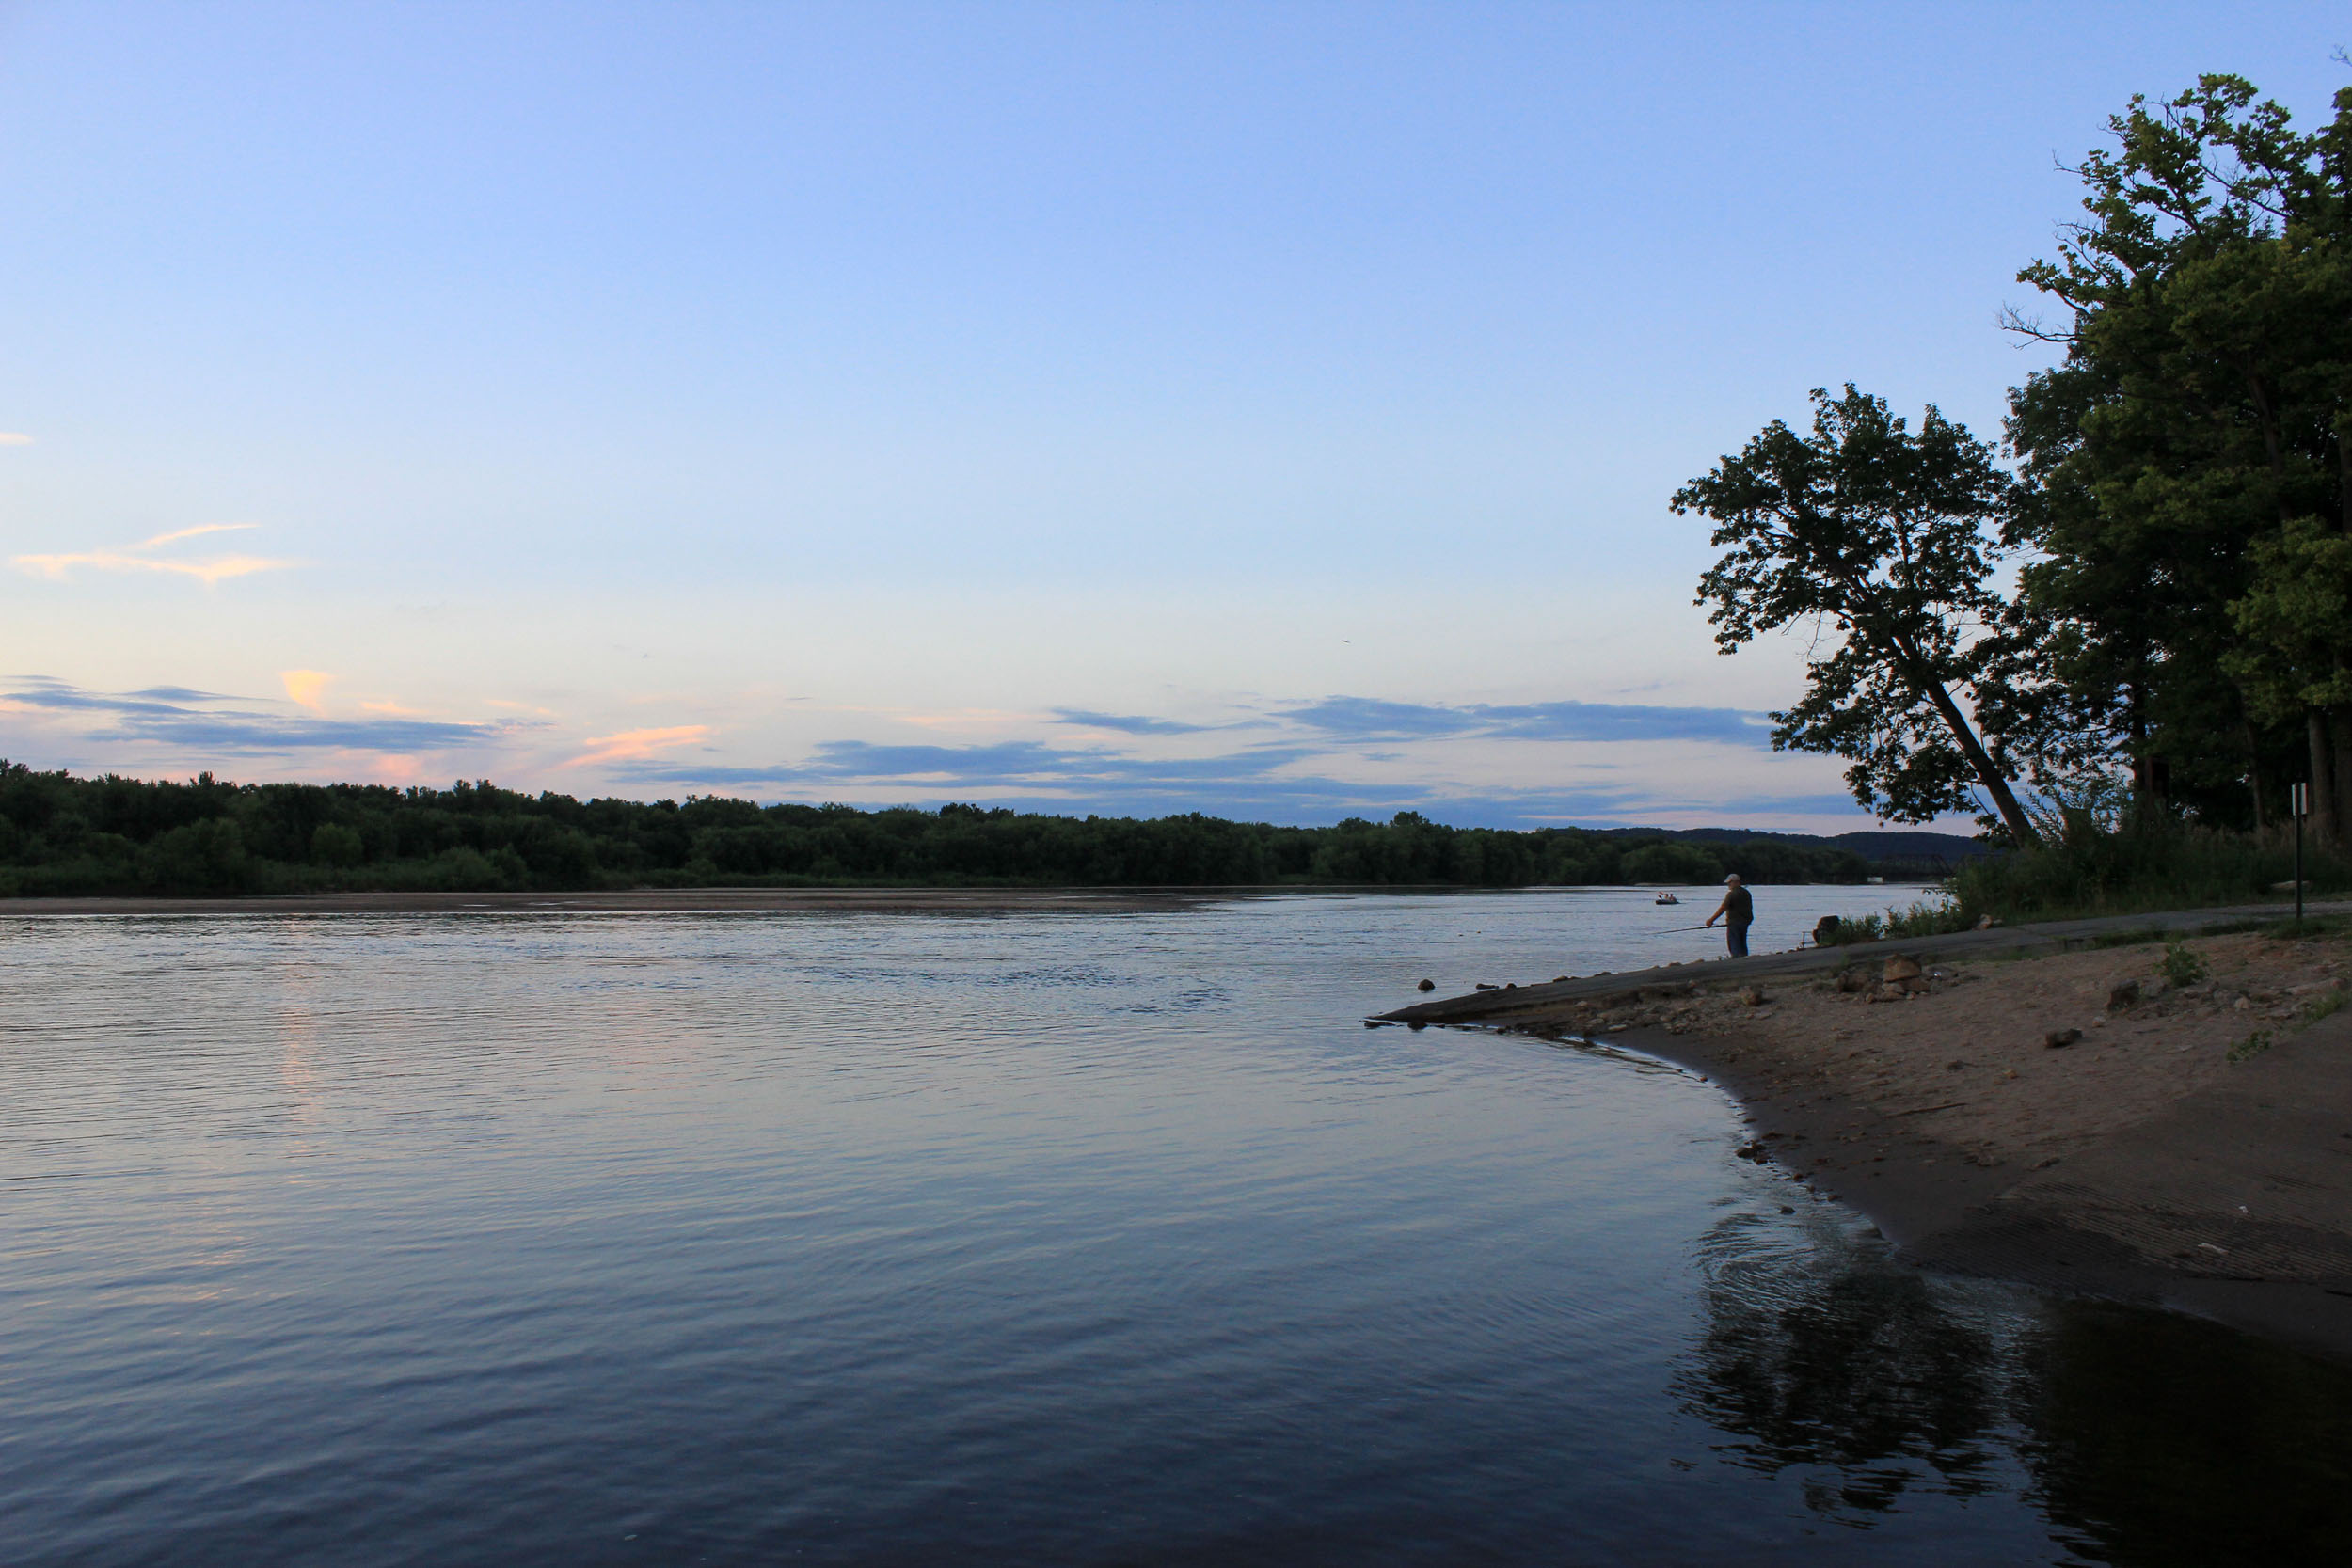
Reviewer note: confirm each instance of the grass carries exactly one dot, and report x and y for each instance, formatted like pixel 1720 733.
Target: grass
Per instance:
pixel 2251 1046
pixel 2314 926
pixel 1921 920
pixel 2137 863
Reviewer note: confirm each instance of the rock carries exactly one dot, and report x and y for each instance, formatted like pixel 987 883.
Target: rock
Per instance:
pixel 1853 977
pixel 1753 996
pixel 1986 923
pixel 1900 968
pixel 1954 1065
pixel 2123 996
pixel 2059 1039
pixel 1426 984
pixel 1489 984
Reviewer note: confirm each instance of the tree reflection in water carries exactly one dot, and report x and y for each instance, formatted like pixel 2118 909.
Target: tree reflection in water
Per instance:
pixel 1856 1369
pixel 2144 1438
pixel 2160 1441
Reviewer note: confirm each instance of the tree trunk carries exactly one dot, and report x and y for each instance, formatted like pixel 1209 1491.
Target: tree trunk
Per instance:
pixel 2254 773
pixel 2135 727
pixel 2003 799
pixel 2326 825
pixel 2340 771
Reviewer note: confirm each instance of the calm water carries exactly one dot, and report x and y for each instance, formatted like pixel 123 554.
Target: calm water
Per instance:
pixel 1104 1239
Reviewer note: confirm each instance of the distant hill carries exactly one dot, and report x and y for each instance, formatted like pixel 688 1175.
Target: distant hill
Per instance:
pixel 1908 853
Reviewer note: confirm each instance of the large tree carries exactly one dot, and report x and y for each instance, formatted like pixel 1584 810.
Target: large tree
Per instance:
pixel 1880 538
pixel 2188 464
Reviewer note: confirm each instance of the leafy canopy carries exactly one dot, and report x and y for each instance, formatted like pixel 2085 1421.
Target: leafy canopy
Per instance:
pixel 1879 536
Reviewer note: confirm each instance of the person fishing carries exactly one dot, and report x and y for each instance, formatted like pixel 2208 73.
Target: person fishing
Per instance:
pixel 1737 912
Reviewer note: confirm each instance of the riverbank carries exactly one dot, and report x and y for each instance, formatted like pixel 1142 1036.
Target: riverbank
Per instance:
pixel 2187 1140
pixel 718 901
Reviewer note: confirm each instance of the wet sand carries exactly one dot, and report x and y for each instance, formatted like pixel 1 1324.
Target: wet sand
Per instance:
pixel 2192 1145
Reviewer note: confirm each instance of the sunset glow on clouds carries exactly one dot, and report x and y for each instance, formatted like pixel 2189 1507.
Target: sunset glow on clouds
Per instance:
pixel 136 558
pixel 634 745
pixel 304 685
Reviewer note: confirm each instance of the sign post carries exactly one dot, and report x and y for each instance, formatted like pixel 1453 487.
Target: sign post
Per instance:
pixel 2298 806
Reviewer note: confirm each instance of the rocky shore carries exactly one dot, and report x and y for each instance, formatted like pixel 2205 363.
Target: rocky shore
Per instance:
pixel 2157 1119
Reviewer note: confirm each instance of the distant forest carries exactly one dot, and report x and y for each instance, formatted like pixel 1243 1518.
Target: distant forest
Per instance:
pixel 60 834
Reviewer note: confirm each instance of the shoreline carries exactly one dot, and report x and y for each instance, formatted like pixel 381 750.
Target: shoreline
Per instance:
pixel 2190 1145
pixel 2113 1223
pixel 716 900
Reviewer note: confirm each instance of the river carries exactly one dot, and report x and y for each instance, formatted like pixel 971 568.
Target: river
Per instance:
pixel 1087 1239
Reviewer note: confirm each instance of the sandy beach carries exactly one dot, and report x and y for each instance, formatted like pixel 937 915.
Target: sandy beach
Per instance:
pixel 2080 1119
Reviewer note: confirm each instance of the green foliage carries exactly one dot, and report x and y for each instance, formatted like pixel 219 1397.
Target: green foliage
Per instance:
pixel 1879 539
pixel 60 834
pixel 334 843
pixel 2181 966
pixel 2189 607
pixel 2144 860
pixel 1921 919
pixel 1681 864
pixel 2250 1047
pixel 207 856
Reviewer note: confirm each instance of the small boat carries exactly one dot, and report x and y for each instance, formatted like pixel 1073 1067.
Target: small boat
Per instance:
pixel 1668 898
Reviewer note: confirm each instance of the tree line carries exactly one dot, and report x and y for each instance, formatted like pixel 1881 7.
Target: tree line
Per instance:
pixel 2139 604
pixel 63 834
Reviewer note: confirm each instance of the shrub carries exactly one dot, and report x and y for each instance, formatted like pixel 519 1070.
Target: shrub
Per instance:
pixel 2134 859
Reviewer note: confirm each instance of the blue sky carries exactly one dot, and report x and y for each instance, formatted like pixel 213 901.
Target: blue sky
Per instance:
pixel 1261 409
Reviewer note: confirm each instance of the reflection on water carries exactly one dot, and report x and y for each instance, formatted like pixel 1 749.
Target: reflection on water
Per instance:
pixel 2148 1439
pixel 1842 1364
pixel 1053 1239
pixel 2164 1442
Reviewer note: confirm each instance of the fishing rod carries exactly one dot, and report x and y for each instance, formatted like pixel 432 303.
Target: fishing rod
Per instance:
pixel 1672 929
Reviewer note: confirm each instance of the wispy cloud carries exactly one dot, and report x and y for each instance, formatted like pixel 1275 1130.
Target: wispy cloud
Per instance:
pixel 135 558
pixel 1254 784
pixel 1370 719
pixel 14 438
pixel 205 723
pixel 630 745
pixel 1124 724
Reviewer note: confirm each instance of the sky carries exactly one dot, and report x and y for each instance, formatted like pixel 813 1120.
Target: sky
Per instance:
pixel 1267 410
